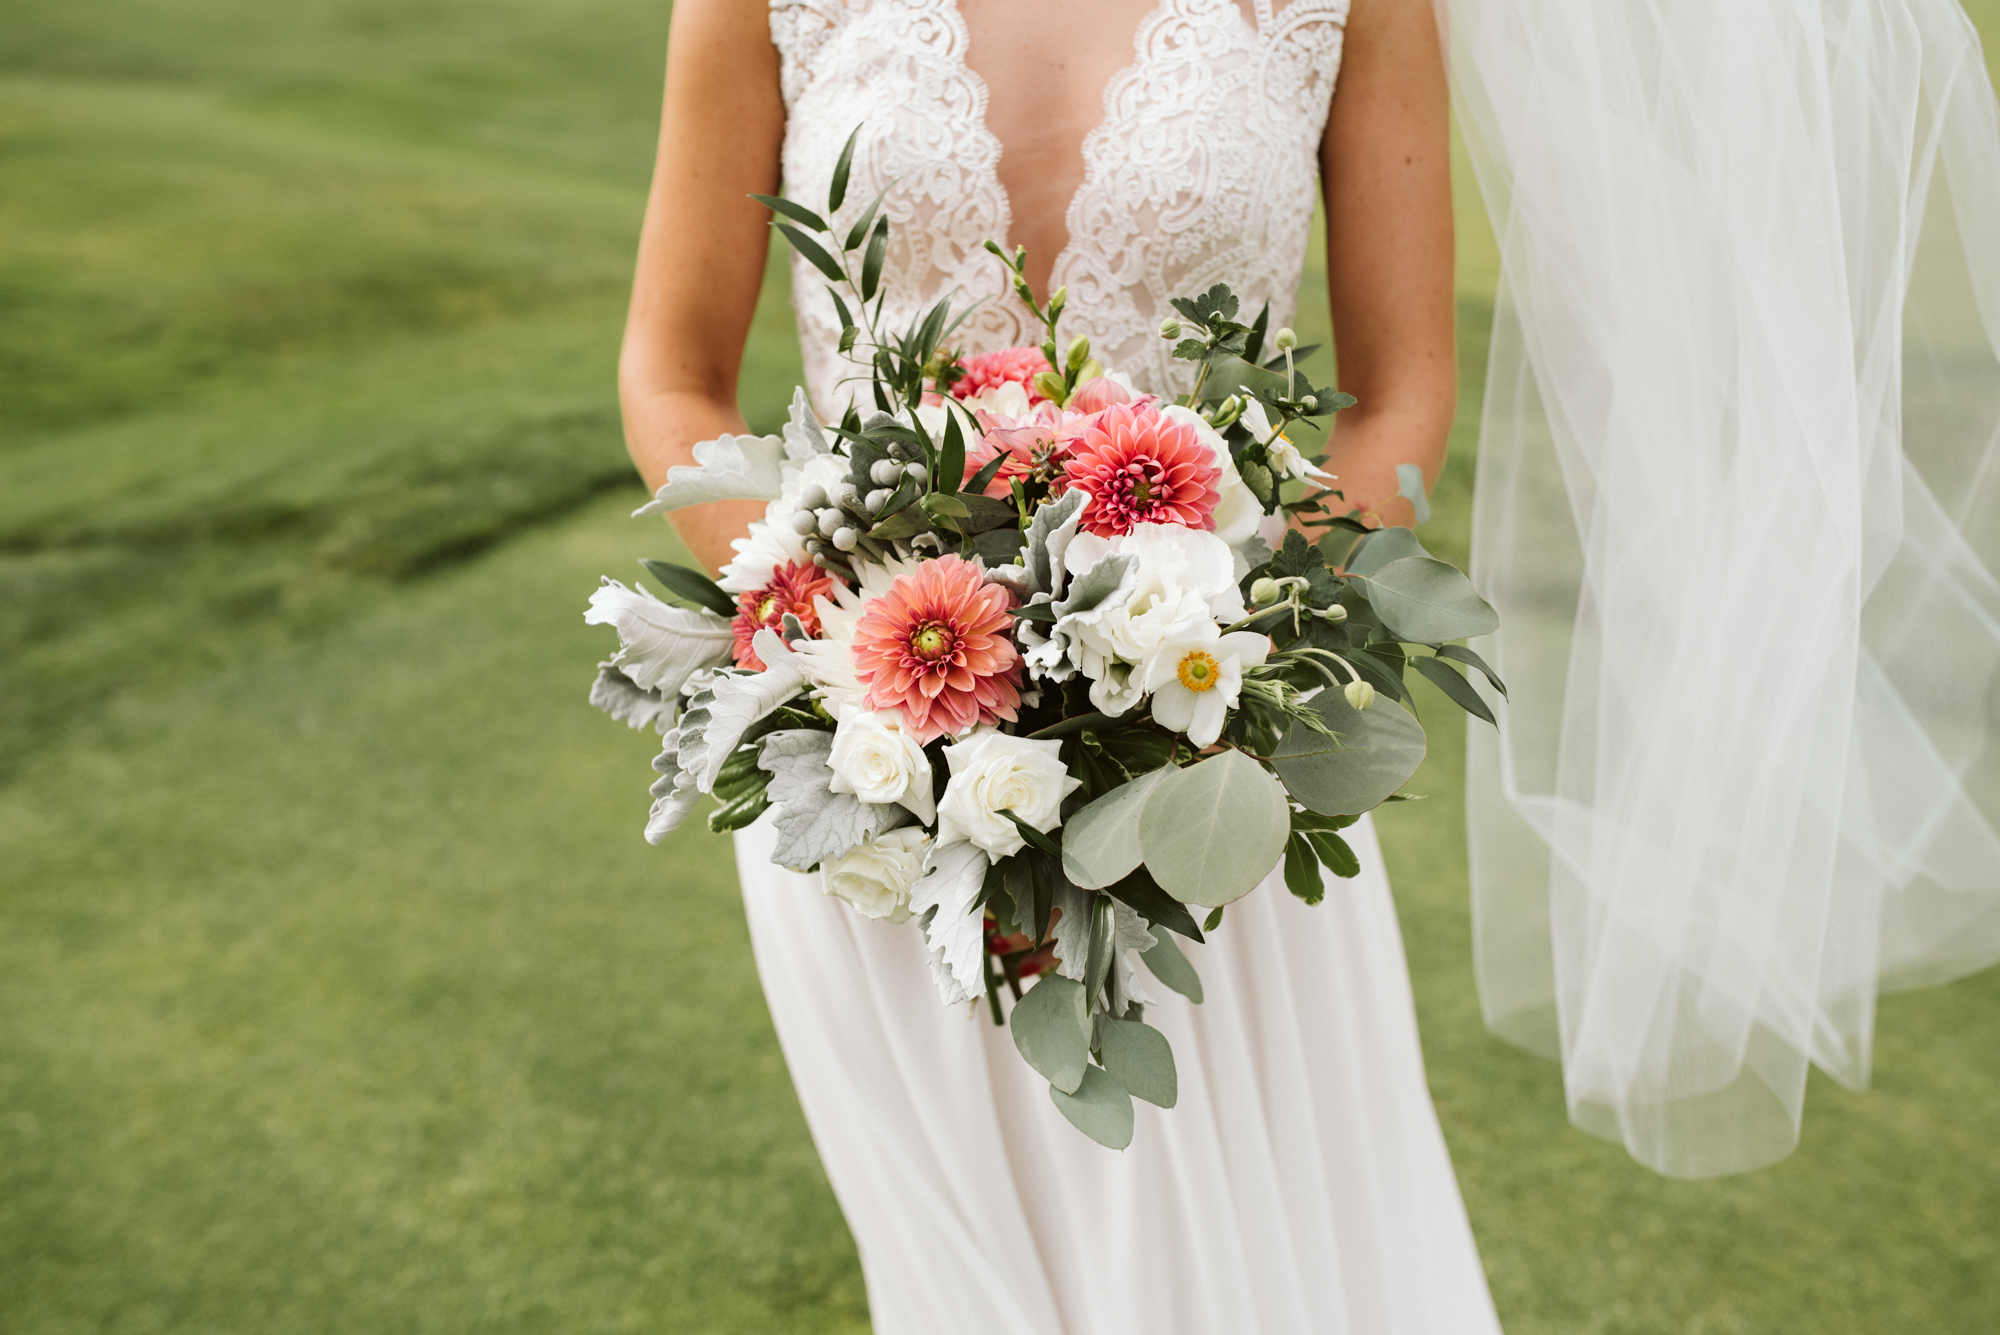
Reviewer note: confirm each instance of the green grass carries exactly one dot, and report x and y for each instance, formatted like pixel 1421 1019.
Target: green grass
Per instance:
pixel 339 991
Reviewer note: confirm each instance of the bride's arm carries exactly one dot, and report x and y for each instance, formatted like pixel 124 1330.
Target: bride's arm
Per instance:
pixel 1386 168
pixel 701 253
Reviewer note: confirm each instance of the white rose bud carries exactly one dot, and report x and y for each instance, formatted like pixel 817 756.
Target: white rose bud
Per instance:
pixel 1359 694
pixel 877 875
pixel 991 773
pixel 878 762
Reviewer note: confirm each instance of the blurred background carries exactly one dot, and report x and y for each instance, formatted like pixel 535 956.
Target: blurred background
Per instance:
pixel 338 989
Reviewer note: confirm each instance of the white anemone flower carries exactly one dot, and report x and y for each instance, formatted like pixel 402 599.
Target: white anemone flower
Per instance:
pixel 1284 456
pixel 1196 679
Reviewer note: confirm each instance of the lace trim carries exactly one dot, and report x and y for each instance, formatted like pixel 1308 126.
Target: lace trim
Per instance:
pixel 1205 168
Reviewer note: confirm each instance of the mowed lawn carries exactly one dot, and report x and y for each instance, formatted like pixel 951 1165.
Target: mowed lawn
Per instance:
pixel 338 991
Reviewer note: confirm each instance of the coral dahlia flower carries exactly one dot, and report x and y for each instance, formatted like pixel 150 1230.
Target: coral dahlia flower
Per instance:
pixel 989 370
pixel 1141 467
pixel 935 650
pixel 792 589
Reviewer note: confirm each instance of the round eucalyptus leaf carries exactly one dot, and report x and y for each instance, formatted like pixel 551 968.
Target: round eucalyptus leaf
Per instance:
pixel 1427 601
pixel 1100 844
pixel 1170 966
pixel 1100 1108
pixel 1052 1032
pixel 1212 831
pixel 1139 1057
pixel 1374 752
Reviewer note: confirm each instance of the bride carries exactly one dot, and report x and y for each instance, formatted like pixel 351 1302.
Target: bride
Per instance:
pixel 1138 151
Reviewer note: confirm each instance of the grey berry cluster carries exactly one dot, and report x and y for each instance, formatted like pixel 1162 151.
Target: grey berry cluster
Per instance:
pixel 835 523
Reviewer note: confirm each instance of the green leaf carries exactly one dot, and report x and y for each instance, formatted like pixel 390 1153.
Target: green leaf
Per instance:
pixel 871 263
pixel 1465 655
pixel 792 210
pixel 1426 601
pixel 1100 844
pixel 739 813
pixel 1214 919
pixel 1138 749
pixel 692 585
pixel 981 480
pixel 951 459
pixel 1100 1108
pixel 1037 840
pixel 1234 375
pixel 1410 486
pixel 836 192
pixel 1166 963
pixel 1212 831
pixel 1460 690
pixel 1139 1057
pixel 1380 548
pixel 1254 348
pixel 1302 870
pixel 864 222
pixel 1372 754
pixel 810 248
pixel 1334 853
pixel 1042 612
pixel 938 505
pixel 1142 894
pixel 1097 962
pixel 1052 1032
pixel 907 524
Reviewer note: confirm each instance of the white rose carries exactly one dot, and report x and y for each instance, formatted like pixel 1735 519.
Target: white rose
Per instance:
pixel 879 762
pixel 992 772
pixel 1237 513
pixel 877 876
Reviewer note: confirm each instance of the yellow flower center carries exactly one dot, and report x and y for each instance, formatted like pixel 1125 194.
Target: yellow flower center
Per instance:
pixel 1199 670
pixel 930 641
pixel 767 607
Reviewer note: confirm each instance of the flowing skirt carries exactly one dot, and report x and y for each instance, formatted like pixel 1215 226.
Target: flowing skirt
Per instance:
pixel 1301 1185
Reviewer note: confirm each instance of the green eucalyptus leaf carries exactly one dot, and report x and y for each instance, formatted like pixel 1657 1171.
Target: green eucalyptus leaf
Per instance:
pixel 1302 870
pixel 1372 753
pixel 1334 853
pixel 1448 680
pixel 1170 966
pixel 1212 831
pixel 1142 894
pixel 692 585
pixel 1052 1031
pixel 1139 1057
pixel 814 254
pixel 1410 486
pixel 1097 962
pixel 1100 844
pixel 1381 547
pixel 1100 1108
pixel 1427 601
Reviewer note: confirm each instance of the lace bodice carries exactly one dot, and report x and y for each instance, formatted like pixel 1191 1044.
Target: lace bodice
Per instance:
pixel 1204 169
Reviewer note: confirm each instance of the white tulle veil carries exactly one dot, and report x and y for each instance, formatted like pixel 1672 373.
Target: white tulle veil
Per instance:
pixel 1739 507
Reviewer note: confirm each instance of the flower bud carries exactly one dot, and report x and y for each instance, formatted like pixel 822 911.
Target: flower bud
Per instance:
pixel 805 523
pixel 1079 352
pixel 830 520
pixel 1264 591
pixel 846 539
pixel 1334 615
pixel 1051 387
pixel 1359 694
pixel 812 497
pixel 1309 402
pixel 885 473
pixel 1284 340
pixel 1170 328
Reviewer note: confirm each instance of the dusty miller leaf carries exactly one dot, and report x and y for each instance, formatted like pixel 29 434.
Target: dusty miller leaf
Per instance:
pixel 803 437
pixel 814 822
pixel 674 792
pixel 660 645
pixel 625 700
pixel 957 936
pixel 1049 534
pixel 721 712
pixel 728 468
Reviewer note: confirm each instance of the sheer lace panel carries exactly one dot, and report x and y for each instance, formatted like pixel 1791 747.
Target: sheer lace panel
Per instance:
pixel 1203 169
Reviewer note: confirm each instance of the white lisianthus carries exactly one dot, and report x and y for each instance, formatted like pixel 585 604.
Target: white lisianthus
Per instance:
pixel 771 541
pixel 878 875
pixel 1237 513
pixel 878 762
pixel 992 772
pixel 1196 679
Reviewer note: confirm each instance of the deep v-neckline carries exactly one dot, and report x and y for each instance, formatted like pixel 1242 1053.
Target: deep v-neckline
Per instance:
pixel 985 100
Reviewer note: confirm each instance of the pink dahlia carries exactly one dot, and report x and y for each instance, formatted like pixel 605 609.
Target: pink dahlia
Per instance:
pixel 989 370
pixel 935 648
pixel 792 589
pixel 1142 468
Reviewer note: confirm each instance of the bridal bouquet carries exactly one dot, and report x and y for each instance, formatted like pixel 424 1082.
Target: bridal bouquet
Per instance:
pixel 1011 658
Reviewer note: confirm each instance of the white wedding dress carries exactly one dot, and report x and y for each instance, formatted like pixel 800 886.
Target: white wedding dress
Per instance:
pixel 1302 1184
